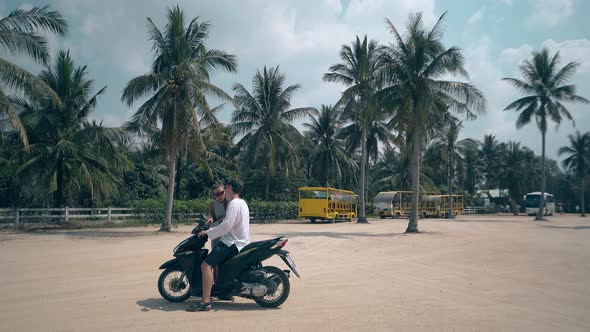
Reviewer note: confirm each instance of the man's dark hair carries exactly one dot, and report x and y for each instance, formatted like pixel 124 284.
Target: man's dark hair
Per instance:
pixel 236 185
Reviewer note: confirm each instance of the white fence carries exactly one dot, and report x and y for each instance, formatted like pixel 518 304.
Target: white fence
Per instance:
pixel 473 209
pixel 17 217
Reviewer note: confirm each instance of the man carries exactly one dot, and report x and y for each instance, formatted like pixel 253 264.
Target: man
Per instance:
pixel 234 232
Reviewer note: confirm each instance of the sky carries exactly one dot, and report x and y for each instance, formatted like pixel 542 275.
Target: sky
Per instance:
pixel 304 37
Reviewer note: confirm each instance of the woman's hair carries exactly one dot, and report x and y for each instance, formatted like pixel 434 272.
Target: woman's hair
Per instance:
pixel 217 185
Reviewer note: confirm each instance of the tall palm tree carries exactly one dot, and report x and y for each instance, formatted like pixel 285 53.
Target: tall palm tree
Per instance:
pixel 491 158
pixel 359 71
pixel 517 170
pixel 68 152
pixel 473 167
pixel 393 171
pixel 379 132
pixel 543 84
pixel 417 67
pixel 578 161
pixel 19 34
pixel 452 152
pixel 177 86
pixel 329 161
pixel 265 119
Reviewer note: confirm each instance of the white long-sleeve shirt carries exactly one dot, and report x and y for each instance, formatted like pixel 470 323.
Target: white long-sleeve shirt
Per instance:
pixel 235 228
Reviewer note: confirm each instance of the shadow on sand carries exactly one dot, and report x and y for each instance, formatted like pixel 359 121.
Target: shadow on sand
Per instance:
pixel 568 227
pixel 339 235
pixel 163 305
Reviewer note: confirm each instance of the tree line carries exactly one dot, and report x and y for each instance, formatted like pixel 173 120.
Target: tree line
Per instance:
pixel 395 126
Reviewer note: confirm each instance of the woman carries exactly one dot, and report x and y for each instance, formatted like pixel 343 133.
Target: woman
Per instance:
pixel 217 208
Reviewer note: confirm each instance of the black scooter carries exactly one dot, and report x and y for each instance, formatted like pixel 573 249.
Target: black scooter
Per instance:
pixel 242 275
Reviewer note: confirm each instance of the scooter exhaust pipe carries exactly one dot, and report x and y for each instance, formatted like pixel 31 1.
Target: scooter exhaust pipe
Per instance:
pixel 257 290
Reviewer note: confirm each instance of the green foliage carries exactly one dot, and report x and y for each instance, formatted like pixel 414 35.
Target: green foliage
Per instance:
pixel 183 211
pixel 142 182
pixel 284 187
pixel 262 211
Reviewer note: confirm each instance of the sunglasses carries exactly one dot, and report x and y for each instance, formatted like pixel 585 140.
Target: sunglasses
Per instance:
pixel 219 194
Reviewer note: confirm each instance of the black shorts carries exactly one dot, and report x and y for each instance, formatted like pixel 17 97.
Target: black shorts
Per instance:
pixel 220 254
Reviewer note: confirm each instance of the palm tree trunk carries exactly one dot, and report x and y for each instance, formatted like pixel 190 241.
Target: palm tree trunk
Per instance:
pixel 267 187
pixel 416 142
pixel 178 176
pixel 362 217
pixel 59 194
pixel 450 216
pixel 540 213
pixel 582 197
pixel 167 223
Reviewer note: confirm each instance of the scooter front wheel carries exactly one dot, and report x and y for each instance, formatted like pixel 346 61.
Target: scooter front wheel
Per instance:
pixel 173 285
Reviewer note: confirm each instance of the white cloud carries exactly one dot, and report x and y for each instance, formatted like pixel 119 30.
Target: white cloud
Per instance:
pixel 335 5
pixel 25 6
pixel 514 57
pixel 486 76
pixel 395 10
pixel 89 25
pixel 569 50
pixel 476 17
pixel 572 50
pixel 548 13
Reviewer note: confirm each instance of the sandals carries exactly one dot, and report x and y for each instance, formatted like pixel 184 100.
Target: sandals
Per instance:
pixel 199 307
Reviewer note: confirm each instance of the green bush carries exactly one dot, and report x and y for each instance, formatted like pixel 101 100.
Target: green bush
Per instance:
pixel 153 210
pixel 262 211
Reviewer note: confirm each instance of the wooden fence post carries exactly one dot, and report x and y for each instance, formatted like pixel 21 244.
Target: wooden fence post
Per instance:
pixel 109 214
pixel 16 218
pixel 66 216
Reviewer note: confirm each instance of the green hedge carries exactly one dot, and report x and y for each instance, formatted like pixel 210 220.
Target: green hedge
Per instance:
pixel 261 211
pixel 184 211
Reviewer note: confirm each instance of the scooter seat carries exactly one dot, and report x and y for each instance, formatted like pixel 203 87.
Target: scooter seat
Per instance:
pixel 259 243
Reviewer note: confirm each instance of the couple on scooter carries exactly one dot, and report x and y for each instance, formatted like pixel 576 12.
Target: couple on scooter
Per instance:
pixel 231 225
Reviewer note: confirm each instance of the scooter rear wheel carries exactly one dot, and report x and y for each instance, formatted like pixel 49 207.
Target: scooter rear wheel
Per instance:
pixel 171 287
pixel 279 287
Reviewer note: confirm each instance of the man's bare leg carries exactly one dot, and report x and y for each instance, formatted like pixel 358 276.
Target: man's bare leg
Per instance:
pixel 207 272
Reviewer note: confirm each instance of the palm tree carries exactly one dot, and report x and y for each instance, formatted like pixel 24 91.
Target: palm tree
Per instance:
pixel 329 161
pixel 394 172
pixel 19 34
pixel 65 147
pixel 578 161
pixel 517 169
pixel 265 119
pixel 359 71
pixel 491 160
pixel 473 167
pixel 452 151
pixel 177 87
pixel 545 93
pixel 379 132
pixel 417 67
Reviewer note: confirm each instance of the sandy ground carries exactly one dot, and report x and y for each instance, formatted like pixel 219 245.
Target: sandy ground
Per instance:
pixel 478 273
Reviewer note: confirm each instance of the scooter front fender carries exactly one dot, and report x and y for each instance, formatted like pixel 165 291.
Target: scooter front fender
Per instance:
pixel 169 263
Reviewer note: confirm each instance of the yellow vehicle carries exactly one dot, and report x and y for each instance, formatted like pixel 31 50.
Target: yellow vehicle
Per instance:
pixel 457 204
pixel 398 204
pixel 394 204
pixel 430 204
pixel 325 203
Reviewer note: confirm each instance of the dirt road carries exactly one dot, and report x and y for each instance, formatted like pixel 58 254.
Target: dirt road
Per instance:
pixel 484 273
